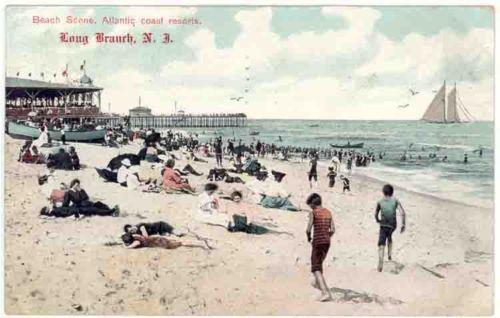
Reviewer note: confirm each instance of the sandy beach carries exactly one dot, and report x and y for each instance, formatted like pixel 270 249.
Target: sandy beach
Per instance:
pixel 442 264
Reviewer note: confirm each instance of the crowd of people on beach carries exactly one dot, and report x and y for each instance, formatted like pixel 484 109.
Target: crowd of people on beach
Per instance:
pixel 153 169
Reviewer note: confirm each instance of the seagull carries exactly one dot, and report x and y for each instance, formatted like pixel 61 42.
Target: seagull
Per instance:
pixel 403 106
pixel 237 98
pixel 413 92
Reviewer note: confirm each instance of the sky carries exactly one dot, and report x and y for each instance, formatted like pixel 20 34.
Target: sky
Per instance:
pixel 288 62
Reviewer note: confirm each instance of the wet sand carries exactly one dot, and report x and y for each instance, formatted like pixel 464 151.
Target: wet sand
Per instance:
pixel 443 263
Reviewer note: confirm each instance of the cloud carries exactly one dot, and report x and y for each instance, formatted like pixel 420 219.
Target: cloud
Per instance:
pixel 313 46
pixel 251 53
pixel 446 53
pixel 352 72
pixel 372 88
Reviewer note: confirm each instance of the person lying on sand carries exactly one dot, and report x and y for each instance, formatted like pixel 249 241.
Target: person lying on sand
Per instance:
pixel 192 157
pixel 153 228
pixel 76 202
pixel 321 222
pixel 159 241
pixel 387 208
pixel 189 169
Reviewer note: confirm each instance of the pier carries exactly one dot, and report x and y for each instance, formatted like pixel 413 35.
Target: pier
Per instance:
pixel 189 120
pixel 177 120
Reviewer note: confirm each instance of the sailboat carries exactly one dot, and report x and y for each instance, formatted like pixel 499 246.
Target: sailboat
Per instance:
pixel 447 109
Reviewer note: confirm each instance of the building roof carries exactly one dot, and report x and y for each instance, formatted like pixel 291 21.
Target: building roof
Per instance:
pixel 15 82
pixel 85 80
pixel 140 108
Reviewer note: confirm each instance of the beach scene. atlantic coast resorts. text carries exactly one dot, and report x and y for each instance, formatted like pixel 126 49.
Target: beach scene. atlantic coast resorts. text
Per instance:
pixel 240 160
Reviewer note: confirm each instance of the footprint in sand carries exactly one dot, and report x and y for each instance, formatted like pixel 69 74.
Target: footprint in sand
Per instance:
pixel 395 267
pixel 348 295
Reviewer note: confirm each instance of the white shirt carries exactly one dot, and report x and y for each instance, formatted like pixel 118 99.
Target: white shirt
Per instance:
pixel 122 174
pixel 206 203
pixel 207 213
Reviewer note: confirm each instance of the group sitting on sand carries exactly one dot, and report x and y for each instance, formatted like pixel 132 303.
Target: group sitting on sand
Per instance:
pixel 74 201
pixel 155 167
pixel 233 214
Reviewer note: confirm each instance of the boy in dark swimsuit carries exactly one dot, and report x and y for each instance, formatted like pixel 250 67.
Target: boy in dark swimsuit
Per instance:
pixel 313 172
pixel 331 177
pixel 387 208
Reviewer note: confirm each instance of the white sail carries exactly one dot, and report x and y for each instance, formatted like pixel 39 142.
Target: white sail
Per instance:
pixel 465 115
pixel 451 110
pixel 436 110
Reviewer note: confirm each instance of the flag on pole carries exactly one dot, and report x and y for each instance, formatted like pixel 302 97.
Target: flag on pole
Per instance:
pixel 65 72
pixel 82 66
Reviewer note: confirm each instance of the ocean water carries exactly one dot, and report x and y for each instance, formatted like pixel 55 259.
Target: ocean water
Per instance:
pixel 469 183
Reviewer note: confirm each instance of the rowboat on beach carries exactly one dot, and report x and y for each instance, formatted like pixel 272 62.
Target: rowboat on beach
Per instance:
pixel 254 133
pixel 349 145
pixel 18 130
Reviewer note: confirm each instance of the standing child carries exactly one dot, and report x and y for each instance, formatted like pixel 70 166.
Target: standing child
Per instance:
pixel 63 136
pixel 313 172
pixel 332 174
pixel 349 163
pixel 346 184
pixel 321 222
pixel 387 207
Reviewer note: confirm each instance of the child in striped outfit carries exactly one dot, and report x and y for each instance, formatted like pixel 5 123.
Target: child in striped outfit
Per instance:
pixel 321 222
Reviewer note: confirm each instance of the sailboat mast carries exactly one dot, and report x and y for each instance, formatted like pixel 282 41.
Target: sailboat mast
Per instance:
pixel 456 119
pixel 444 102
